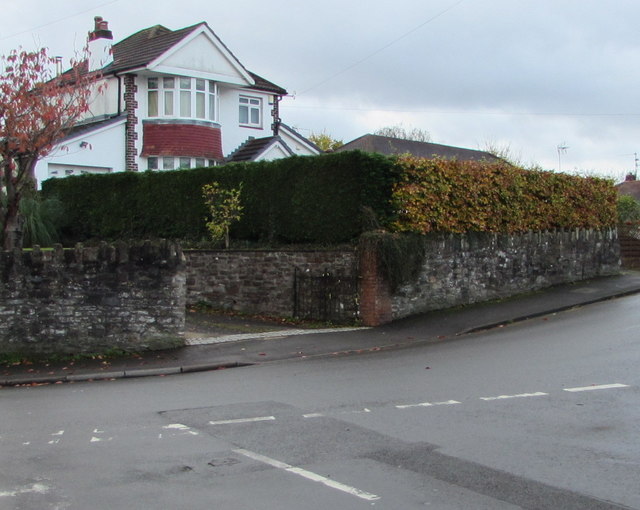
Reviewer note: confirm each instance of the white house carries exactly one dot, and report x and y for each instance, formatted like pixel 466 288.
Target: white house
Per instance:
pixel 173 99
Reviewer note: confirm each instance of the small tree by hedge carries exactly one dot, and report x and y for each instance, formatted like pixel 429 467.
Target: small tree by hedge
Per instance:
pixel 224 209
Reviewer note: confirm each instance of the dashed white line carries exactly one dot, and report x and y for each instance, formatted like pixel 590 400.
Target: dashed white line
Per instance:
pixel 598 387
pixel 309 475
pixel 181 428
pixel 313 415
pixel 243 420
pixel 520 395
pixel 428 404
pixel 36 488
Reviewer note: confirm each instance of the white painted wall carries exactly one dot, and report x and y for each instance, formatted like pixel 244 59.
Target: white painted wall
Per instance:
pixel 102 150
pixel 233 135
pixel 296 145
pixel 272 153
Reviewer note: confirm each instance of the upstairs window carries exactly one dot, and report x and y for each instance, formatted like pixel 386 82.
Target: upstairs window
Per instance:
pixel 152 97
pixel 182 97
pixel 250 111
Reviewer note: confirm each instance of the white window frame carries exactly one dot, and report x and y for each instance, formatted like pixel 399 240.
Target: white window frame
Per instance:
pixel 251 104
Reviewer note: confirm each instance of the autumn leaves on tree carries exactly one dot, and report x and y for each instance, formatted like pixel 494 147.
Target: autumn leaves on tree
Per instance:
pixel 36 111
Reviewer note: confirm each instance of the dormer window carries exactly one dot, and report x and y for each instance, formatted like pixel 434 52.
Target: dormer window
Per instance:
pixel 182 97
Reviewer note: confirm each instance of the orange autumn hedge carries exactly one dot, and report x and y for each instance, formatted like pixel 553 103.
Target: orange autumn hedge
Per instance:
pixel 461 196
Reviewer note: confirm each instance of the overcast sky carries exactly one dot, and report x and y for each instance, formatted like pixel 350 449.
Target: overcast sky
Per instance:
pixel 527 75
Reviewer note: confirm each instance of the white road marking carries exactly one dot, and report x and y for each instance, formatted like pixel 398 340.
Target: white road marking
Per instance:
pixel 36 488
pixel 243 420
pixel 599 387
pixel 95 439
pixel 264 335
pixel 309 475
pixel 428 404
pixel 520 395
pixel 313 415
pixel 59 434
pixel 180 427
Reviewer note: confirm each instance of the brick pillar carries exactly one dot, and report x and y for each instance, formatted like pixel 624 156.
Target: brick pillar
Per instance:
pixel 131 133
pixel 375 295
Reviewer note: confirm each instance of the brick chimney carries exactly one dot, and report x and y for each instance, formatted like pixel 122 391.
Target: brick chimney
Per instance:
pixel 100 43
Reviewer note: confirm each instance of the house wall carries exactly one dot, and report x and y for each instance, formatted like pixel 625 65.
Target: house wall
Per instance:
pixel 104 98
pixel 299 148
pixel 92 299
pixel 464 269
pixel 233 135
pixel 104 149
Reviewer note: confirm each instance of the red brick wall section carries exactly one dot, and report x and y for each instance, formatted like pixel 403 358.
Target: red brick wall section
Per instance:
pixel 182 140
pixel 131 105
pixel 375 295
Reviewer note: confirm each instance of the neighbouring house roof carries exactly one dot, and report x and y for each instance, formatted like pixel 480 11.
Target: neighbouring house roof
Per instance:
pixel 390 146
pixel 254 147
pixel 143 47
pixel 629 187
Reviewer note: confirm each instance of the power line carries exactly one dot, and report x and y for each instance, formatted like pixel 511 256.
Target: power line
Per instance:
pixel 379 50
pixel 3 38
pixel 462 112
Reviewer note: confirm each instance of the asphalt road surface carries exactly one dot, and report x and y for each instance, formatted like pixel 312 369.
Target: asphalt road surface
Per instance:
pixel 539 415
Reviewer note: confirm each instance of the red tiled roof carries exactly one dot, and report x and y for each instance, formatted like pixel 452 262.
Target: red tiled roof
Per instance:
pixel 182 139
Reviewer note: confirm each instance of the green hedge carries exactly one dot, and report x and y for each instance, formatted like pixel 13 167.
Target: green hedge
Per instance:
pixel 293 200
pixel 333 198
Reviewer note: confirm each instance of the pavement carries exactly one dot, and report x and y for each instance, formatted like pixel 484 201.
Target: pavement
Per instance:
pixel 220 341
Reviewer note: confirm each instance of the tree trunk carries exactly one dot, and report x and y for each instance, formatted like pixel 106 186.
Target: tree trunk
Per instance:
pixel 13 233
pixel 11 220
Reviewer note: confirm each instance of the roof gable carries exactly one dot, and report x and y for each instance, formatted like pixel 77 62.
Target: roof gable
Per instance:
pixel 202 52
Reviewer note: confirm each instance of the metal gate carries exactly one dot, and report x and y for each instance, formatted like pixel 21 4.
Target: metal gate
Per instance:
pixel 327 297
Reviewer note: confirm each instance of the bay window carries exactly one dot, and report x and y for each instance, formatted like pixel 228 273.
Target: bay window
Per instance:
pixel 182 97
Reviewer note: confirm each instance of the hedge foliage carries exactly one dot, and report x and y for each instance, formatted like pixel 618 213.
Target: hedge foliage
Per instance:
pixel 463 196
pixel 294 200
pixel 333 198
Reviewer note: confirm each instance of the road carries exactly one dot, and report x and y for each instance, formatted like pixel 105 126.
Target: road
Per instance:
pixel 539 415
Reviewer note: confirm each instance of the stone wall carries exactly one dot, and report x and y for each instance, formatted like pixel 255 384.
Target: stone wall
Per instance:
pixel 260 282
pixel 92 299
pixel 470 268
